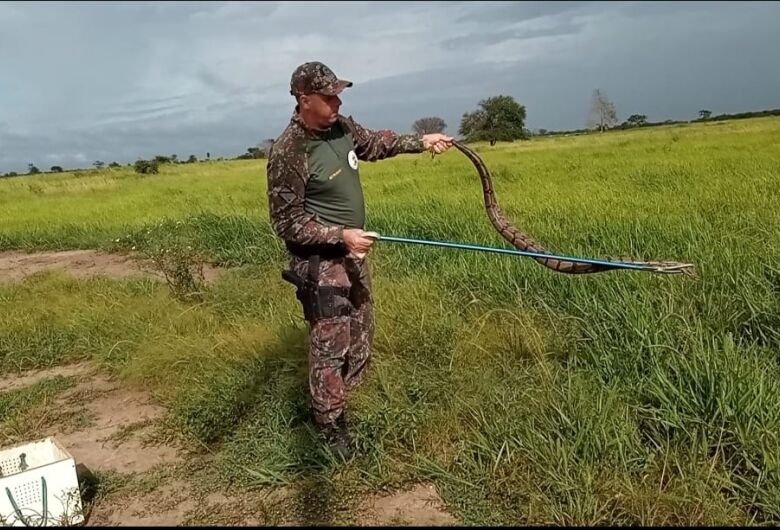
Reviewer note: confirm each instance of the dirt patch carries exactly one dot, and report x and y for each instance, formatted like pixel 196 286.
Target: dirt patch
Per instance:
pixel 420 506
pixel 175 502
pixel 30 378
pixel 111 437
pixel 114 434
pixel 166 505
pixel 117 435
pixel 115 438
pixel 18 265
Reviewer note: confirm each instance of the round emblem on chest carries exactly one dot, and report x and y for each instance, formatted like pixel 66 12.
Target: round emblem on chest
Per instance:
pixel 353 160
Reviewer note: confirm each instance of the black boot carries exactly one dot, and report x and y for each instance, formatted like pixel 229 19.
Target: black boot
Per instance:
pixel 337 436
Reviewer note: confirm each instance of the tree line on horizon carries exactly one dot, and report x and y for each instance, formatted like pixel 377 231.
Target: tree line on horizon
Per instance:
pixel 497 119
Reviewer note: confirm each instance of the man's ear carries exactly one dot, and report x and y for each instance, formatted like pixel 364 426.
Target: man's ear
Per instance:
pixel 304 101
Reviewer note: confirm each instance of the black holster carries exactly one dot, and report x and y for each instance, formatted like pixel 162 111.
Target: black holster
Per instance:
pixel 318 301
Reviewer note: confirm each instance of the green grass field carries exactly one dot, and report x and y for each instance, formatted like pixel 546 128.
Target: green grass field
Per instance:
pixel 526 395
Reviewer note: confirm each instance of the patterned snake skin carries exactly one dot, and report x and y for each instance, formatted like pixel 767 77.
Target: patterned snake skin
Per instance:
pixel 524 242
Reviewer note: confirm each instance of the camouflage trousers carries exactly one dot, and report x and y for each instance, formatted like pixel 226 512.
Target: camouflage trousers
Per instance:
pixel 339 346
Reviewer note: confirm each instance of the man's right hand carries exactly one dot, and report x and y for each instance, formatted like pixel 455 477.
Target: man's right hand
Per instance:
pixel 358 241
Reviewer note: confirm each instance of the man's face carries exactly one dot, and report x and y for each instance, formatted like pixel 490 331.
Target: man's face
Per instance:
pixel 323 109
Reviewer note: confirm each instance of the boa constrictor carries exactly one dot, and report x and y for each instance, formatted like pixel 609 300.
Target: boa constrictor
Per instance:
pixel 524 242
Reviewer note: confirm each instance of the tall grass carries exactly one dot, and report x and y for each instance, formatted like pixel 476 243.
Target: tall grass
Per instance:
pixel 527 396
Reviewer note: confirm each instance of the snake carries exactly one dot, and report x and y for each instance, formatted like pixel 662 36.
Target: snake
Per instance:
pixel 524 242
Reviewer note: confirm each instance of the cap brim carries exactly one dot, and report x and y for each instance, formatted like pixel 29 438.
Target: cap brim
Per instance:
pixel 336 89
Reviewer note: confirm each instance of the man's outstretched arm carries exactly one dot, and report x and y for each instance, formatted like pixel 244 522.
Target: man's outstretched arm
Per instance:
pixel 373 145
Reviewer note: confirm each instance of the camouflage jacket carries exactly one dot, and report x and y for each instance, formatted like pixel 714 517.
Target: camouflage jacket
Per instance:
pixel 288 174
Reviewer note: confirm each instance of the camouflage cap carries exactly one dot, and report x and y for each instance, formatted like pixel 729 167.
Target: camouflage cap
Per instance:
pixel 315 77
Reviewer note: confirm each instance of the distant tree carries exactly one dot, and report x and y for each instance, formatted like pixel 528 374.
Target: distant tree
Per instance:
pixel 56 169
pixel 32 170
pixel 114 165
pixel 637 120
pixel 98 164
pixel 257 151
pixel 266 145
pixel 162 159
pixel 147 167
pixel 704 114
pixel 174 158
pixel 499 118
pixel 602 112
pixel 208 155
pixel 428 125
pixel 542 132
pixel 192 159
pixel 12 174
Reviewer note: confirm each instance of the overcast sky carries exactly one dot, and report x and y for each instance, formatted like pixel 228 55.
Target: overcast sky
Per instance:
pixel 121 81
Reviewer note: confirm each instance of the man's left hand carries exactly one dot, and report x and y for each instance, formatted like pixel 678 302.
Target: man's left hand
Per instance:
pixel 436 142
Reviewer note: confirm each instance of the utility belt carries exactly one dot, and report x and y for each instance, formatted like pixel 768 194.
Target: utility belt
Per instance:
pixel 318 301
pixel 325 251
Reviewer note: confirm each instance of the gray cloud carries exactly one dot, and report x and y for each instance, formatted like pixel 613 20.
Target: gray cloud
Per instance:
pixel 122 81
pixel 495 37
pixel 141 113
pixel 521 11
pixel 643 8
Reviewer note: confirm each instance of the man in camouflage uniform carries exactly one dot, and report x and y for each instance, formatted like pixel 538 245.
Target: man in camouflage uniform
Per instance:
pixel 316 206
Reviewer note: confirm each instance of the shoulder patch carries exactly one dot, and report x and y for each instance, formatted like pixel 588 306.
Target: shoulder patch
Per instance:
pixel 353 159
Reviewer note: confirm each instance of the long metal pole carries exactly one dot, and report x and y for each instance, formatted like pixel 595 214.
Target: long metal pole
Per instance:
pixel 615 264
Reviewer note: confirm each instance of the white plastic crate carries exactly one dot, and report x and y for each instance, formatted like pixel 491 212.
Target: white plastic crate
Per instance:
pixel 39 486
